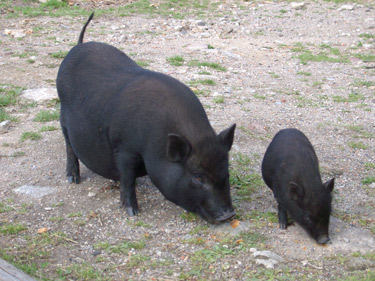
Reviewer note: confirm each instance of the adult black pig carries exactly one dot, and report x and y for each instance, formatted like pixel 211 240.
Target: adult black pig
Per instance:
pixel 290 168
pixel 123 122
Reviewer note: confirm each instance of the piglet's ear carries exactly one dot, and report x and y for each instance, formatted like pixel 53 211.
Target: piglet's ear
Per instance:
pixel 329 184
pixel 296 192
pixel 226 137
pixel 178 148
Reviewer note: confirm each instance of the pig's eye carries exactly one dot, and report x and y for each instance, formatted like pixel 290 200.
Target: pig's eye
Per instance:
pixel 197 179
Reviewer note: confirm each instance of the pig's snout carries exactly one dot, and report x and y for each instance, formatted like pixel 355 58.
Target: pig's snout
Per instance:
pixel 322 239
pixel 228 214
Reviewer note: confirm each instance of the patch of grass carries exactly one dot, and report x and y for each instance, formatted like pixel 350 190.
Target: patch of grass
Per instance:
pixel 259 96
pixel 304 73
pixel 352 97
pixel 368 180
pixel 11 229
pixel 363 83
pixel 80 272
pixel 47 128
pixel 47 116
pixel 4 208
pixel 143 63
pixel 366 57
pixel 369 165
pixel 75 215
pixel 219 99
pixel 9 95
pixel 212 65
pixel 321 57
pixel 176 60
pixel 30 136
pixel 208 82
pixel 122 248
pixel 5 116
pixel 59 54
pixel 367 35
pixel 357 145
pixel 360 276
pixel 137 261
pixel 360 130
pixel 189 216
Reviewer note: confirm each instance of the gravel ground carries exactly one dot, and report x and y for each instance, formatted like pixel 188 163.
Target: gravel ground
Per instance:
pixel 311 67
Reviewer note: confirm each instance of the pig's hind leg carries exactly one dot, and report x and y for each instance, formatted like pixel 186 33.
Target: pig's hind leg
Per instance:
pixel 72 164
pixel 128 197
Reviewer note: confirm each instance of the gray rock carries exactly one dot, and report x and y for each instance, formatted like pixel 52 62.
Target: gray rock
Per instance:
pixel 40 94
pixel 34 191
pixel 268 255
pixel 267 263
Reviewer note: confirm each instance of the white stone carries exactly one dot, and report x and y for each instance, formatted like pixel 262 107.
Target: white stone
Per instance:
pixel 34 191
pixel 346 7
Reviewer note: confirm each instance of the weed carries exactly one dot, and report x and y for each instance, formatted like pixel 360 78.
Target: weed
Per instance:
pixel 4 208
pixel 47 116
pixel 75 215
pixel 363 83
pixel 259 96
pixel 210 47
pixel 30 136
pixel 352 97
pixel 136 261
pixel 321 57
pixel 176 60
pixel 367 35
pixel 121 248
pixel 9 95
pixel 366 57
pixel 370 166
pixel 5 116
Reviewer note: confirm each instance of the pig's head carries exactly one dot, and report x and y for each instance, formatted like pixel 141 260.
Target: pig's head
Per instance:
pixel 198 178
pixel 312 210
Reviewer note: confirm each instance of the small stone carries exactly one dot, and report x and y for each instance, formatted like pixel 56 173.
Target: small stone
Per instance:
pixel 298 5
pixel 4 126
pixel 48 208
pixel 96 253
pixel 92 194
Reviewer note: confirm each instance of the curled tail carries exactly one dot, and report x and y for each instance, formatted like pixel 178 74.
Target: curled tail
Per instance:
pixel 84 28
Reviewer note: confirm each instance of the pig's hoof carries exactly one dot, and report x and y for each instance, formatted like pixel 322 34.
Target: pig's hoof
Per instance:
pixel 131 211
pixel 73 179
pixel 282 225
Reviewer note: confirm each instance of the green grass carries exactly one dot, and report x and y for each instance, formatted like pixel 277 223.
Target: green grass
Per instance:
pixel 80 272
pixel 30 136
pixel 366 57
pixel 357 145
pixel 368 180
pixel 363 83
pixel 304 73
pixel 212 65
pixel 176 60
pixel 352 97
pixel 219 99
pixel 367 35
pixel 321 57
pixel 189 216
pixel 208 82
pixel 47 116
pixel 9 95
pixel 5 116
pixel 121 248
pixel 47 128
pixel 11 229
pixel 143 63
pixel 59 54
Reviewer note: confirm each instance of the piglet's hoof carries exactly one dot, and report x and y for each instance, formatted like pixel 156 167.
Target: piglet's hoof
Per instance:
pixel 282 225
pixel 73 179
pixel 131 211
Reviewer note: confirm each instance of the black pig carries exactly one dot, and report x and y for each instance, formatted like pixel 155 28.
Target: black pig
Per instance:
pixel 123 122
pixel 290 168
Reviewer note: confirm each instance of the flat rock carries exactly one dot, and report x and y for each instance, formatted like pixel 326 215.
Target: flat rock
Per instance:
pixel 40 94
pixel 34 191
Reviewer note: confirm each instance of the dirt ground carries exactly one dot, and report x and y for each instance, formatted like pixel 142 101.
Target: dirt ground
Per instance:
pixel 311 67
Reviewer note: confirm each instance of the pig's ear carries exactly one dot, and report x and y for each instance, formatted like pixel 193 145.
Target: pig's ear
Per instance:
pixel 226 136
pixel 178 148
pixel 296 191
pixel 329 184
